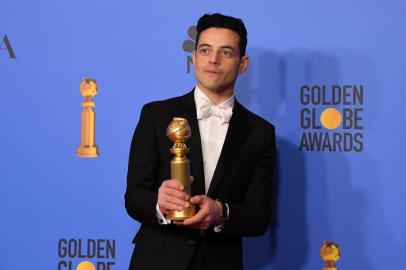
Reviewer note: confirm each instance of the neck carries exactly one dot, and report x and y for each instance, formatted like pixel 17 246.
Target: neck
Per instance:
pixel 217 97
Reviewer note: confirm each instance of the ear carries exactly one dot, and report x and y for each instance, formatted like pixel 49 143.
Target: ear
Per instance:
pixel 243 64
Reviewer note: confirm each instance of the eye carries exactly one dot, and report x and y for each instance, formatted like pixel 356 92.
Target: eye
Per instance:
pixel 228 53
pixel 204 51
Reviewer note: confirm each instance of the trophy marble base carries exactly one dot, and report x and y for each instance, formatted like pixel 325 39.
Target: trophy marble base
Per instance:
pixel 88 151
pixel 182 215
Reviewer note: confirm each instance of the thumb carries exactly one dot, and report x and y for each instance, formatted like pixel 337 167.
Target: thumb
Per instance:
pixel 197 199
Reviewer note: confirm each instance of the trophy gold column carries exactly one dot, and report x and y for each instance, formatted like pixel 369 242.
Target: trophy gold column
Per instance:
pixel 179 132
pixel 88 147
pixel 330 253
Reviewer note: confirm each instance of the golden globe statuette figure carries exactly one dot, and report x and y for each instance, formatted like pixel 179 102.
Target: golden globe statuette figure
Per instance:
pixel 88 147
pixel 330 253
pixel 179 132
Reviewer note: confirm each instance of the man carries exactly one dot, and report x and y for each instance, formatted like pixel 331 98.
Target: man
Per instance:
pixel 232 159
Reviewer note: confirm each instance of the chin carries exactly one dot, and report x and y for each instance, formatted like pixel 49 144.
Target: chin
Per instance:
pixel 214 88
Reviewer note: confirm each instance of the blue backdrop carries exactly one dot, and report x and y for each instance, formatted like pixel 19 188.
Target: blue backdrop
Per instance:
pixel 58 210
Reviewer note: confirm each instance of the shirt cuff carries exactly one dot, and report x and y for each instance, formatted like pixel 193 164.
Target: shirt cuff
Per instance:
pixel 218 228
pixel 161 218
pixel 226 214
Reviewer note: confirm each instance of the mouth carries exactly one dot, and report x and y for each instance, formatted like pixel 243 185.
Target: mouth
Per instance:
pixel 210 71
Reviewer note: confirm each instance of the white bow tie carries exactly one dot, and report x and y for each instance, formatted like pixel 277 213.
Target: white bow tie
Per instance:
pixel 205 109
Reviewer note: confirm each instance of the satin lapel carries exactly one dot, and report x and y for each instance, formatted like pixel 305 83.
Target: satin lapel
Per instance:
pixel 195 155
pixel 237 133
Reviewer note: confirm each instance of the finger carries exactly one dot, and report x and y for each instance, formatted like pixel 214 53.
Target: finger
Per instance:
pixel 174 192
pixel 192 178
pixel 199 199
pixel 174 184
pixel 171 183
pixel 178 222
pixel 171 199
pixel 170 206
pixel 170 192
pixel 207 219
pixel 204 223
pixel 198 218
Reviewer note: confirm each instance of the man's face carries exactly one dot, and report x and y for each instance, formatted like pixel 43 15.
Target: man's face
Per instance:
pixel 217 60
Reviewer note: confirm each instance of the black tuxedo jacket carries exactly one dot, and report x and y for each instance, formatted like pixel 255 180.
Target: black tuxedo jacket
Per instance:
pixel 242 178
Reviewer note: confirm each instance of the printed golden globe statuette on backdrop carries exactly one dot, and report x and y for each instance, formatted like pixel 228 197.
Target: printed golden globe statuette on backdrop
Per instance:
pixel 330 253
pixel 88 147
pixel 179 132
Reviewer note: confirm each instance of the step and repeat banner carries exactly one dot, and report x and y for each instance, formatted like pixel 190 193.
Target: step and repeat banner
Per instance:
pixel 331 76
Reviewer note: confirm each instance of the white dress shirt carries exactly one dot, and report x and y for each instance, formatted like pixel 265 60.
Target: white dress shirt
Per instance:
pixel 213 131
pixel 213 128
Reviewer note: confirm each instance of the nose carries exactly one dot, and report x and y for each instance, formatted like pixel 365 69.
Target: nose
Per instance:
pixel 214 58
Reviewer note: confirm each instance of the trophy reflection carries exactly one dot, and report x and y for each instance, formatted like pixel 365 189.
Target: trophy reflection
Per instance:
pixel 330 253
pixel 179 132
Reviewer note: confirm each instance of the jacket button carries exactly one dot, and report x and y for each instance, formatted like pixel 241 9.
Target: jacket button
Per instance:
pixel 191 242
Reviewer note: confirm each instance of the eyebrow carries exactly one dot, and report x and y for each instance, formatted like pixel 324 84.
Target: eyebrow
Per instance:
pixel 223 47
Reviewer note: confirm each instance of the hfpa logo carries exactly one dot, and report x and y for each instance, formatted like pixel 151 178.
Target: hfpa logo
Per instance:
pixel 5 45
pixel 189 45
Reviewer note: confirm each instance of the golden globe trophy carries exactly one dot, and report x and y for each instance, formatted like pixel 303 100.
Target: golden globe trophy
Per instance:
pixel 179 132
pixel 88 147
pixel 330 253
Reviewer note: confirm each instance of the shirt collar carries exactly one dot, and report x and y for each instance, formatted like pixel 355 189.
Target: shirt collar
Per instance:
pixel 199 95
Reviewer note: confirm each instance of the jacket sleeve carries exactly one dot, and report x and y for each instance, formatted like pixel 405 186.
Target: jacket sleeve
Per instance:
pixel 142 178
pixel 251 216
